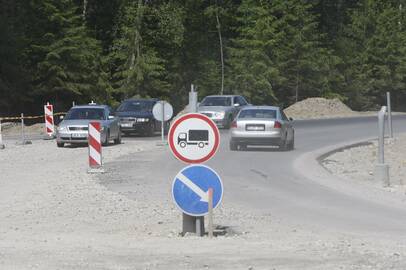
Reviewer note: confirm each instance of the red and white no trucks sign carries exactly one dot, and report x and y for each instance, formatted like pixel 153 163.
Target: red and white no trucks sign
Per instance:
pixel 193 138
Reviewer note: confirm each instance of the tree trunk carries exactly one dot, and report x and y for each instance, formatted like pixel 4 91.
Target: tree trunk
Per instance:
pixel 221 50
pixel 84 10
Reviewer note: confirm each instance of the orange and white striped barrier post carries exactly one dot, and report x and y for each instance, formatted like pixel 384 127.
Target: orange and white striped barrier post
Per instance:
pixel 49 120
pixel 95 147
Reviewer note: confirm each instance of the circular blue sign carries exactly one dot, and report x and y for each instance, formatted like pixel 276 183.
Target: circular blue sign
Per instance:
pixel 190 189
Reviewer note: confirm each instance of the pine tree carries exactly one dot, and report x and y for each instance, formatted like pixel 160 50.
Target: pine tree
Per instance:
pixel 376 54
pixel 251 70
pixel 304 65
pixel 137 68
pixel 71 68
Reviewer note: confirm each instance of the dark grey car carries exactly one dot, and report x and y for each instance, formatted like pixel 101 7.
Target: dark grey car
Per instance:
pixel 74 127
pixel 222 109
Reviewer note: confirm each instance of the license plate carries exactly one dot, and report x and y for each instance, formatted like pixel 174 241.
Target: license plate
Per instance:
pixel 79 135
pixel 126 124
pixel 255 128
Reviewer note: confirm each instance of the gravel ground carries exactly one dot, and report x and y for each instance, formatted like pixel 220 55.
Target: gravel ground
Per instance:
pixel 56 216
pixel 357 163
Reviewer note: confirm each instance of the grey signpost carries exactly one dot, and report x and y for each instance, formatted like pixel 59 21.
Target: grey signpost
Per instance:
pixel 1 138
pixel 389 115
pixel 162 112
pixel 381 169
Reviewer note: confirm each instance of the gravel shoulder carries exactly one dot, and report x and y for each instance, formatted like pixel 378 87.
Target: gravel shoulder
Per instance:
pixel 56 216
pixel 357 163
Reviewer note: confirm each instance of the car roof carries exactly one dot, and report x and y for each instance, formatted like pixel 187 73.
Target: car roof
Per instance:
pixel 141 99
pixel 223 96
pixel 90 106
pixel 260 108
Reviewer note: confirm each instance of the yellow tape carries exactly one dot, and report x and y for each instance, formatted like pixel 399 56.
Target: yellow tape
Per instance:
pixel 28 117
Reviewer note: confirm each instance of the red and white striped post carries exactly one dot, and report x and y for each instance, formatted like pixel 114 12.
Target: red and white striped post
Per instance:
pixel 49 120
pixel 95 148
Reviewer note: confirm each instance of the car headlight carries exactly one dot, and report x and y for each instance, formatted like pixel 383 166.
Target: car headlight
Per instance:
pixel 62 129
pixel 219 115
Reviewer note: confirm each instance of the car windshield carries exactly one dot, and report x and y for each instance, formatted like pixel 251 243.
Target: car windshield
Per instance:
pixel 258 113
pixel 216 101
pixel 136 106
pixel 85 113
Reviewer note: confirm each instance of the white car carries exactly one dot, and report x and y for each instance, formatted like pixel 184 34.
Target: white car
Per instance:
pixel 262 125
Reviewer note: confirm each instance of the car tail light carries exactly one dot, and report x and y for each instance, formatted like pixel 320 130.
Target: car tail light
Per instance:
pixel 277 124
pixel 234 124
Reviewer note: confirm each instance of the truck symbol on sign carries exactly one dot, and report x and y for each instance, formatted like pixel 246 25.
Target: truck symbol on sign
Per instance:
pixel 199 137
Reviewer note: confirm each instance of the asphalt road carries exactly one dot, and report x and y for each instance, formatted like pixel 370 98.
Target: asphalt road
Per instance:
pixel 265 181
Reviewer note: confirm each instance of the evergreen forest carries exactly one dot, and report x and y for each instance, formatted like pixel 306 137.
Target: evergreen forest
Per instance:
pixel 273 52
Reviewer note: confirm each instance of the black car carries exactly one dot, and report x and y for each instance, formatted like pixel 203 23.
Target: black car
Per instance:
pixel 136 117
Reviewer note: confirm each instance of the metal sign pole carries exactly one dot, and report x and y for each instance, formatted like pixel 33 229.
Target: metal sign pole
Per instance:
pixel 381 169
pixel 389 115
pixel 210 212
pixel 1 138
pixel 22 129
pixel 163 122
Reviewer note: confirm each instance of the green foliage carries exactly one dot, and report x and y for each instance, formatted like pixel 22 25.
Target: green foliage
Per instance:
pixel 276 52
pixel 252 72
pixel 376 58
pixel 71 67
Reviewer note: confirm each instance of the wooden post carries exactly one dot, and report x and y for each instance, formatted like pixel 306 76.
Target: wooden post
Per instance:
pixel 210 193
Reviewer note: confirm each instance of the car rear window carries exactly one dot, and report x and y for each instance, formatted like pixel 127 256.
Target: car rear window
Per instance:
pixel 136 106
pixel 216 101
pixel 258 113
pixel 86 114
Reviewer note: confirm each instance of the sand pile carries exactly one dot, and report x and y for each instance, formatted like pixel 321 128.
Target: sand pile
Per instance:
pixel 319 108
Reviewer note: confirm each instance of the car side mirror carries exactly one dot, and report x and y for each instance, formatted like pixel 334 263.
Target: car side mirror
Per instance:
pixel 61 117
pixel 111 117
pixel 290 119
pixel 236 104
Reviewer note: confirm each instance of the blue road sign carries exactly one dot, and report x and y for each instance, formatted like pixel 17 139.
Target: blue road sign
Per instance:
pixel 190 189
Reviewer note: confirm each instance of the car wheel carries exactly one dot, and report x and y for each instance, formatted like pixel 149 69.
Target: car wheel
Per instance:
pixel 292 144
pixel 283 145
pixel 243 147
pixel 106 140
pixel 60 144
pixel 118 139
pixel 150 130
pixel 233 146
pixel 229 121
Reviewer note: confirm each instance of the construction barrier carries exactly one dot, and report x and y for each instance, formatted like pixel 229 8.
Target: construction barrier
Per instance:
pixel 49 120
pixel 95 148
pixel 28 117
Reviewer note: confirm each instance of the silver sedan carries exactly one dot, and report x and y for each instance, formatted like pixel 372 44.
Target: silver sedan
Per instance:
pixel 262 125
pixel 74 127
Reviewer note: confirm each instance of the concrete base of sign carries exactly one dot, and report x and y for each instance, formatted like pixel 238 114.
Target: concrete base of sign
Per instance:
pixel 95 170
pixel 192 224
pixel 381 174
pixel 23 142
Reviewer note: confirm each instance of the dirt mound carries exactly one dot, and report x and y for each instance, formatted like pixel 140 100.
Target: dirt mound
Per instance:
pixel 319 108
